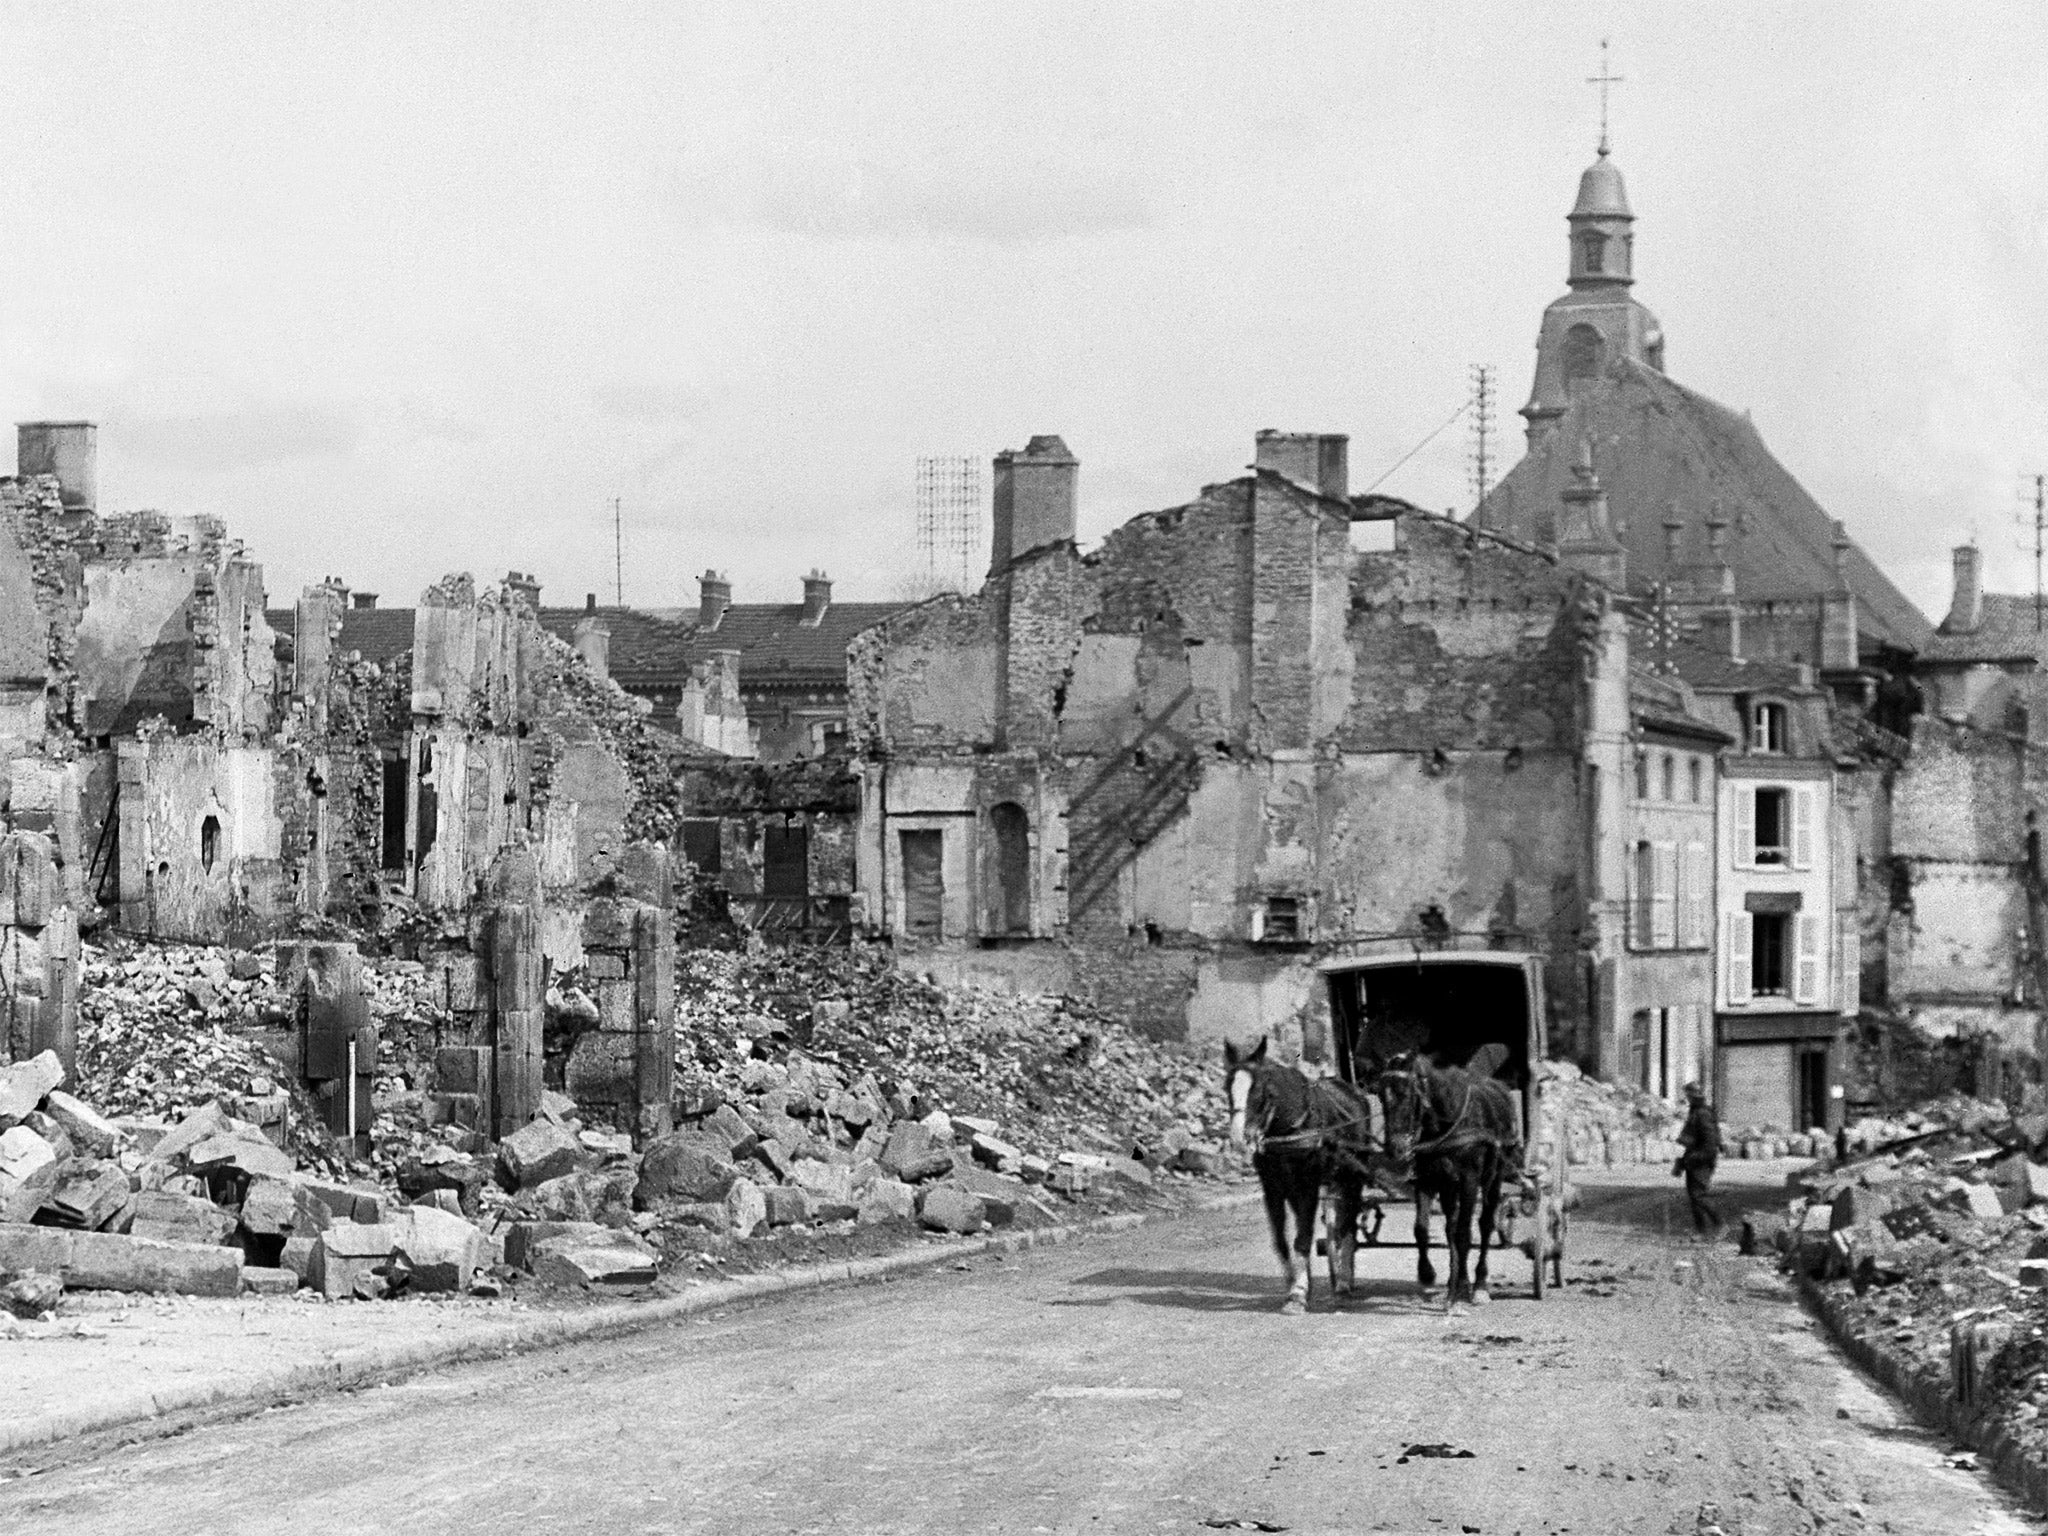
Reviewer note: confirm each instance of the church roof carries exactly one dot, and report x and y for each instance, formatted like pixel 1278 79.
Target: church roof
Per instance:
pixel 2007 631
pixel 1658 445
pixel 1601 194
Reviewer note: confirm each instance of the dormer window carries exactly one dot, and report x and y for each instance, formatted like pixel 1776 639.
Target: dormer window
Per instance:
pixel 1593 250
pixel 1767 728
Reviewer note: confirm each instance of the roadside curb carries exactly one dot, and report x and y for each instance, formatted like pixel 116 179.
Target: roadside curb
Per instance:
pixel 372 1364
pixel 1925 1390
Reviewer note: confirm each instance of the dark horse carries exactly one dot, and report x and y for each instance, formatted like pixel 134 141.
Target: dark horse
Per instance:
pixel 1314 1132
pixel 1457 1129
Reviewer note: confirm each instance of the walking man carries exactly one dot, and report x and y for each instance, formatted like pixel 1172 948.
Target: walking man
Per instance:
pixel 1701 1139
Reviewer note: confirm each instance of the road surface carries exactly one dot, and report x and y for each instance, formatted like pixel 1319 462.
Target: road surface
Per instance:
pixel 1141 1382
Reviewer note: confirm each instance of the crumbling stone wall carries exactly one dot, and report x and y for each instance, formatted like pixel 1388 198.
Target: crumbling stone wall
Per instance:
pixel 729 809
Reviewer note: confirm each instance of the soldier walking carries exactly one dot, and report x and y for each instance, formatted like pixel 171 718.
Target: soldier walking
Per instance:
pixel 1701 1139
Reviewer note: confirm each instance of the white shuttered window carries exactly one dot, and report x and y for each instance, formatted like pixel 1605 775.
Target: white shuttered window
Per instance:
pixel 1743 854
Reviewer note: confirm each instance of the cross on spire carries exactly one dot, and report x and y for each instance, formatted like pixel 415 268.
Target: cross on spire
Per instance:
pixel 1604 79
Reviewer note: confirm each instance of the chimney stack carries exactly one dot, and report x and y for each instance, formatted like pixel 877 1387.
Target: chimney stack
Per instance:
pixel 1318 459
pixel 364 600
pixel 592 640
pixel 817 598
pixel 1035 493
pixel 67 449
pixel 1966 611
pixel 527 586
pixel 714 596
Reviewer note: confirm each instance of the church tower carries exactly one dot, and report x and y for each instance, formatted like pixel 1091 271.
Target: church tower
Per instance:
pixel 1597 321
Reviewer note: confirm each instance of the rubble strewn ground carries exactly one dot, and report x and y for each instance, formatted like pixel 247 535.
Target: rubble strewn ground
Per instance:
pixel 828 1106
pixel 1930 1247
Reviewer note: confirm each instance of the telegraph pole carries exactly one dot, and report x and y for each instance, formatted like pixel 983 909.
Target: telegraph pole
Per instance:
pixel 2040 520
pixel 1482 431
pixel 618 558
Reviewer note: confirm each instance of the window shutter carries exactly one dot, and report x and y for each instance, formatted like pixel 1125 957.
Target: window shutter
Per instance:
pixel 1806 960
pixel 1739 940
pixel 1848 963
pixel 1632 927
pixel 1745 827
pixel 1802 829
pixel 1642 912
pixel 1698 929
pixel 1664 895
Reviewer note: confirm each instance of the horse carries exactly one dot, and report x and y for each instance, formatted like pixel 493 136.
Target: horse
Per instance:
pixel 1457 1129
pixel 1313 1133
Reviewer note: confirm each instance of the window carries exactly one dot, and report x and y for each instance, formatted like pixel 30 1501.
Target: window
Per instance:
pixel 701 845
pixel 1283 919
pixel 1642 775
pixel 786 862
pixel 1773 828
pixel 1584 353
pixel 1769 969
pixel 1767 728
pixel 1692 775
pixel 209 843
pixel 1695 895
pixel 1642 910
pixel 1670 777
pixel 1594 245
pixel 1772 845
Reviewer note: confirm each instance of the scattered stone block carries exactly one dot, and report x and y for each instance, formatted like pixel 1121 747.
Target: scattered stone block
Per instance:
pixel 298 1256
pixel 788 1206
pixel 974 1125
pixel 244 1150
pixel 2034 1274
pixel 996 1153
pixel 258 1281
pixel 1126 1171
pixel 535 1153
pixel 887 1200
pixel 939 1125
pixel 1855 1207
pixel 31 1295
pixel 776 1158
pixel 109 1261
pixel 949 1208
pixel 443 1171
pixel 88 1196
pixel 558 1108
pixel 1035 1169
pixel 24 1084
pixel 1203 1157
pixel 1978 1201
pixel 710 1215
pixel 22 1152
pixel 828 1181
pixel 89 1131
pixel 851 1109
pixel 347 1251
pixel 911 1154
pixel 685 1165
pixel 207 1120
pixel 724 1125
pixel 747 1207
pixel 824 1211
pixel 443 1251
pixel 167 1217
pixel 594 1258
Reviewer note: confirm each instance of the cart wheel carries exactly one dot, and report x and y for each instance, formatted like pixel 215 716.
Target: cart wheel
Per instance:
pixel 1537 1250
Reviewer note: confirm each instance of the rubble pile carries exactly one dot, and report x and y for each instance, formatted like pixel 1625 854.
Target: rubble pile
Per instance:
pixel 1938 1239
pixel 1055 1074
pixel 1602 1124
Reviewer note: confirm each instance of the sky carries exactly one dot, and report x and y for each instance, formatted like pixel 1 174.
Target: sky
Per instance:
pixel 406 289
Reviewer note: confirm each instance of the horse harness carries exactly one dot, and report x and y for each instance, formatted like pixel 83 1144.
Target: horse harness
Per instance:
pixel 1319 1136
pixel 1449 1139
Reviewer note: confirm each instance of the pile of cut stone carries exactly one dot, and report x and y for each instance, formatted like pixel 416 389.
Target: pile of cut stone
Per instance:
pixel 215 1206
pixel 1603 1124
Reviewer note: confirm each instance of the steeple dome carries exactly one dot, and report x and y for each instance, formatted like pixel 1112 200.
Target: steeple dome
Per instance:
pixel 1601 193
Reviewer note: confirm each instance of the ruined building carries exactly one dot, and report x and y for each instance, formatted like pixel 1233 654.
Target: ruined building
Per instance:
pixel 1169 773
pixel 179 765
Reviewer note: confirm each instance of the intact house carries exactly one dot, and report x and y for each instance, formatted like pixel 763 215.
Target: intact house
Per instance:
pixel 1170 773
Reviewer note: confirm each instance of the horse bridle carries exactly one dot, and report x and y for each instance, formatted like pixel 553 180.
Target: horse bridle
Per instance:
pixel 1308 1132
pixel 1413 1072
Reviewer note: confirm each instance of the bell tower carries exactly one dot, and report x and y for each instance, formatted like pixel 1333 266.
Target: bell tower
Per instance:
pixel 1596 325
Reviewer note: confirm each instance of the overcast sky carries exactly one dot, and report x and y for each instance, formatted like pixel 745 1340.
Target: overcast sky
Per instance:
pixel 414 288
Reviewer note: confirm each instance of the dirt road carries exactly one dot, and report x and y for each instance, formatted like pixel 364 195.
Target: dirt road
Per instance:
pixel 1143 1382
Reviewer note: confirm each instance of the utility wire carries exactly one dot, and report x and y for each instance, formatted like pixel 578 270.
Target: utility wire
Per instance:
pixel 1461 410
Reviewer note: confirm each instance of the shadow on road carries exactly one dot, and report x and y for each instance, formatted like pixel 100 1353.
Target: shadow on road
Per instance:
pixel 1196 1290
pixel 1663 1209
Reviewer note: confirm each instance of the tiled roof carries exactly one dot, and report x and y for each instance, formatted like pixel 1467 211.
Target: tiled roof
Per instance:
pixel 1714 672
pixel 2007 631
pixel 647 650
pixel 378 633
pixel 1657 445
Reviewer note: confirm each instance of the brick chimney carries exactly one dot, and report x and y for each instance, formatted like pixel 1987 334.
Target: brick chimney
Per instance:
pixel 1966 609
pixel 526 586
pixel 1035 493
pixel 363 600
pixel 817 598
pixel 1318 459
pixel 67 449
pixel 714 597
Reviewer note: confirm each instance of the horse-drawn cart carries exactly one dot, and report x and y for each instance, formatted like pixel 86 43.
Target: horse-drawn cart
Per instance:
pixel 1457 1008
